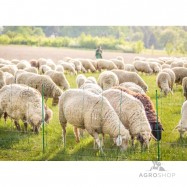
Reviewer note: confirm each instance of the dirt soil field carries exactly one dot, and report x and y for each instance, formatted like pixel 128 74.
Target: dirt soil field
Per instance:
pixel 28 52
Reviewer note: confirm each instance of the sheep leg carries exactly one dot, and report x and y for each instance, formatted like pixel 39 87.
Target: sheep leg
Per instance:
pixel 76 133
pixel 5 117
pixel 64 134
pixel 98 142
pixel 25 126
pixel 17 125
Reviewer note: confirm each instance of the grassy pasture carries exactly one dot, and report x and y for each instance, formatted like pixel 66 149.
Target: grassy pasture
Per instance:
pixel 28 146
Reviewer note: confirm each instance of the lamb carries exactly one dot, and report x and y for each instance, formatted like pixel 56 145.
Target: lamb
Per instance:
pixel 80 80
pixel 87 65
pixel 129 67
pixel 163 81
pixel 2 79
pixel 132 114
pixel 133 87
pixel 143 67
pixel 184 86
pixel 125 76
pixel 92 112
pixel 21 102
pixel 59 79
pixel 107 79
pixel 105 64
pixel 51 90
pixel 172 75
pixel 149 110
pixel 180 73
pixel 182 125
pixel 118 63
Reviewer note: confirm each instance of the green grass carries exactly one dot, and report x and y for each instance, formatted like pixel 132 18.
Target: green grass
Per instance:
pixel 28 146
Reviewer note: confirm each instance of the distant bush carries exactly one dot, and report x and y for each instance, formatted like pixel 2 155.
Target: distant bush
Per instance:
pixel 4 39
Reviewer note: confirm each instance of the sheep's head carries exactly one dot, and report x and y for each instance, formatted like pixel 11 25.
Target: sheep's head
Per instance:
pixel 157 130
pixel 144 138
pixel 181 127
pixel 36 123
pixel 166 91
pixel 56 94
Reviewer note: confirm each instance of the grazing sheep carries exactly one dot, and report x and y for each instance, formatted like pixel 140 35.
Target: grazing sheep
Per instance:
pixel 9 68
pixel 91 79
pixel 94 62
pixel 32 70
pixel 129 67
pixel 67 59
pixel 21 102
pixel 23 64
pixel 108 79
pixel 131 113
pixel 118 63
pixel 59 68
pixel 2 79
pixel 184 86
pixel 51 64
pixel 78 65
pixel 163 81
pixel 172 75
pixel 41 61
pixel 59 79
pixel 92 112
pixel 94 88
pixel 80 80
pixel 70 67
pixel 155 67
pixel 103 64
pixel 182 125
pixel 87 65
pixel 51 90
pixel 149 110
pixel 176 64
pixel 133 87
pixel 120 58
pixel 15 61
pixel 180 73
pixel 44 68
pixel 9 78
pixel 137 58
pixel 143 66
pixel 126 76
pixel 164 66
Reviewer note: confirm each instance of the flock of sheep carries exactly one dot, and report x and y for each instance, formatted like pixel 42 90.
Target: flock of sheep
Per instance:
pixel 116 104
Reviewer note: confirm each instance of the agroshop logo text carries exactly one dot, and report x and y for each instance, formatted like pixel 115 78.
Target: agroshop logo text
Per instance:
pixel 157 171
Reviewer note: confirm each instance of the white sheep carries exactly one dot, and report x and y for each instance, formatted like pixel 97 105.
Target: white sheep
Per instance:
pixel 59 68
pixel 172 75
pixel 182 125
pixel 163 81
pixel 91 87
pixel 70 67
pixel 9 78
pixel 78 64
pixel 156 67
pixel 132 86
pixel 184 87
pixel 108 79
pixel 118 63
pixel 44 68
pixel 80 80
pixel 165 66
pixel 51 90
pixel 103 64
pixel 91 79
pixel 2 79
pixel 129 67
pixel 59 79
pixel 32 70
pixel 180 73
pixel 92 112
pixel 143 66
pixel 21 102
pixel 51 64
pixel 126 76
pixel 23 64
pixel 9 68
pixel 131 113
pixel 87 65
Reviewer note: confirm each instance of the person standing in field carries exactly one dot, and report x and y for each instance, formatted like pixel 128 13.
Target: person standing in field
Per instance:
pixel 98 53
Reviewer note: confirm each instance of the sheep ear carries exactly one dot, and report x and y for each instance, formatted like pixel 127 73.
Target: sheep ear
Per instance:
pixel 119 140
